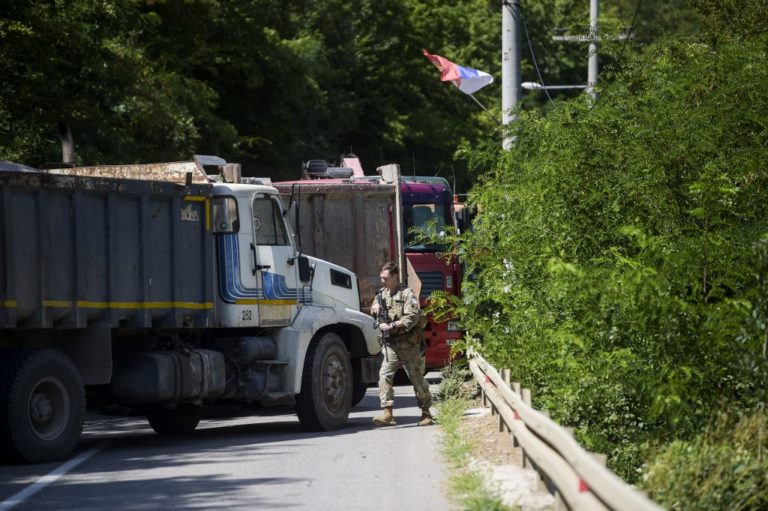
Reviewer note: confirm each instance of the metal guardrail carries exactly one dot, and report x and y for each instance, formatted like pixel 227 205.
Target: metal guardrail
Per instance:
pixel 580 480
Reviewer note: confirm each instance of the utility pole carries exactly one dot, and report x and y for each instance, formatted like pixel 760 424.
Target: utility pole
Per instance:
pixel 594 13
pixel 593 64
pixel 510 64
pixel 593 38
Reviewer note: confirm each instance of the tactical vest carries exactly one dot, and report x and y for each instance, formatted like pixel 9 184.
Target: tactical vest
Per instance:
pixel 396 307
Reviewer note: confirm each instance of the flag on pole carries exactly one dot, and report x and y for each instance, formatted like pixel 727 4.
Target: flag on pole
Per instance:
pixel 468 80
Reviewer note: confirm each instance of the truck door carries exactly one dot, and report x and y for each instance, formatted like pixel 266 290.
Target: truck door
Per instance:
pixel 273 254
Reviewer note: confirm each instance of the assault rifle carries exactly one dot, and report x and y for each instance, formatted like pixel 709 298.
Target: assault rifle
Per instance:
pixel 382 317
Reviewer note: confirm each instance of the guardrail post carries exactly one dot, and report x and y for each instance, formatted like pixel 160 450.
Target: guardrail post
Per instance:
pixel 505 375
pixel 494 411
pixel 560 503
pixel 526 395
pixel 516 389
pixel 545 482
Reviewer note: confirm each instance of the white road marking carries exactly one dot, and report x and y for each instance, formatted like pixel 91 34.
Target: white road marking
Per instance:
pixel 49 478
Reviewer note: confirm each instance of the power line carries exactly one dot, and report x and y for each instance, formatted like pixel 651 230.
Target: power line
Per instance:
pixel 533 58
pixel 631 26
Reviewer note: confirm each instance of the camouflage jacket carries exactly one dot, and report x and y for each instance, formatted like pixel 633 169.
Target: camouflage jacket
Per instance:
pixel 403 306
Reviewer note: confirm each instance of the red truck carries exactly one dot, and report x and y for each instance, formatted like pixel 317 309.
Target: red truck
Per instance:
pixel 361 221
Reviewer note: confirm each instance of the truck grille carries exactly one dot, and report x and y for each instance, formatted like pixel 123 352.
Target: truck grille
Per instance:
pixel 430 281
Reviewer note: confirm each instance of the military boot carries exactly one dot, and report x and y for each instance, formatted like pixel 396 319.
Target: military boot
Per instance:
pixel 385 420
pixel 426 418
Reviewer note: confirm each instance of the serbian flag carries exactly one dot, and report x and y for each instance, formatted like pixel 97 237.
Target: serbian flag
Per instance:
pixel 468 80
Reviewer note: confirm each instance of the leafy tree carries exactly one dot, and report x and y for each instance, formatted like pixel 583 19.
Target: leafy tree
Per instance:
pixel 730 20
pixel 267 83
pixel 622 288
pixel 85 63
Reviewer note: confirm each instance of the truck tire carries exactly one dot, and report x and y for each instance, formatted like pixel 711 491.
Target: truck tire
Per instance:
pixel 42 405
pixel 181 420
pixel 326 385
pixel 359 389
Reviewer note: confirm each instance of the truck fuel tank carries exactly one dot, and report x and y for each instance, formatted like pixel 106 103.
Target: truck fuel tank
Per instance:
pixel 154 377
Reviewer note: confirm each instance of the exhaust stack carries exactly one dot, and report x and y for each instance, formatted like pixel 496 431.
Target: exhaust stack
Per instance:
pixel 67 144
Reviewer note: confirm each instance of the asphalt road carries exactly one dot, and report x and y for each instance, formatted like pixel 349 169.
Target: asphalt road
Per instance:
pixel 242 462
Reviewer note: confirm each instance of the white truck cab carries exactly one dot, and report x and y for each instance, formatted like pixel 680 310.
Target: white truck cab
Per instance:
pixel 263 281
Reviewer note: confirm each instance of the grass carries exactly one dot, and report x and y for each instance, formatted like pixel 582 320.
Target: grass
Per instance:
pixel 466 487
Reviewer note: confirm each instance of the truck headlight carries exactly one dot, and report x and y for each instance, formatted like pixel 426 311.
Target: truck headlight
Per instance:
pixel 449 282
pixel 453 326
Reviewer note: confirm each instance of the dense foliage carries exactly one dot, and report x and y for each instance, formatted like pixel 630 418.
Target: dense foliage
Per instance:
pixel 725 467
pixel 271 83
pixel 618 261
pixel 267 83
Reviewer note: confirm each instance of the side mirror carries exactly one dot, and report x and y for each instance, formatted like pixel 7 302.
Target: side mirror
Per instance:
pixel 305 272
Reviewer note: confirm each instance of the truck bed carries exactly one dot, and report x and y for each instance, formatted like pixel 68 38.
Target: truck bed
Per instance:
pixel 76 250
pixel 350 226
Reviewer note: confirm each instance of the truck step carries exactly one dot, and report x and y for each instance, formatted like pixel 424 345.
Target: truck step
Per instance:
pixel 272 398
pixel 268 363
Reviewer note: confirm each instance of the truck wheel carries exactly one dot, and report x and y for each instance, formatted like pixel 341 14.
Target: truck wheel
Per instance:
pixel 42 405
pixel 181 420
pixel 359 389
pixel 326 387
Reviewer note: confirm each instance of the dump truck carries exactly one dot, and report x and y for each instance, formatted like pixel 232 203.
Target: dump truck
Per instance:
pixel 163 288
pixel 362 221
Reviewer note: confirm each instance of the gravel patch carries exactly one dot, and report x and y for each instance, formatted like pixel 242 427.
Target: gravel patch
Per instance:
pixel 501 464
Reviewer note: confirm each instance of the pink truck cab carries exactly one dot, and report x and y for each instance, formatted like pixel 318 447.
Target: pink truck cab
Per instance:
pixel 362 221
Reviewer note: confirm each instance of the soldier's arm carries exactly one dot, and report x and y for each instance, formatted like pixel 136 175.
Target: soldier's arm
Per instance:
pixel 375 303
pixel 410 311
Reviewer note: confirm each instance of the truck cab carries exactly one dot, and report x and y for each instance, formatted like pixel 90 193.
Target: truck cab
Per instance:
pixel 264 282
pixel 262 279
pixel 362 221
pixel 428 208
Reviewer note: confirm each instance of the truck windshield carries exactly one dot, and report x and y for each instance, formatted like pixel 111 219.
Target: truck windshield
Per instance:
pixel 428 218
pixel 268 225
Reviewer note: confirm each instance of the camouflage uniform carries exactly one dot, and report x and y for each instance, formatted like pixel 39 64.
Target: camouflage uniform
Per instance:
pixel 406 345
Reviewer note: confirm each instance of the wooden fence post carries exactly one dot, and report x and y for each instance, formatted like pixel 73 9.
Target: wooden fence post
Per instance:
pixel 516 389
pixel 526 395
pixel 505 375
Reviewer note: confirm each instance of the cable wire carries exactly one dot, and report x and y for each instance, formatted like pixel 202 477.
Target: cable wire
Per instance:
pixel 533 55
pixel 533 58
pixel 631 26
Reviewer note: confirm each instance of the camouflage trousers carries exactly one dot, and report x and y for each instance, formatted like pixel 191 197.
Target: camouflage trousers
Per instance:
pixel 412 358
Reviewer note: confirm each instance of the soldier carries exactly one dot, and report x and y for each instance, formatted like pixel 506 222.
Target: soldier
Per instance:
pixel 405 344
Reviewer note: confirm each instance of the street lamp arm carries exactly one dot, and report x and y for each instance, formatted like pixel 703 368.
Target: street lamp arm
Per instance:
pixel 538 86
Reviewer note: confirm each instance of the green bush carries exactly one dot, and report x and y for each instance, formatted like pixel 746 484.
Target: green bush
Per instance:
pixel 724 468
pixel 613 262
pixel 457 382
